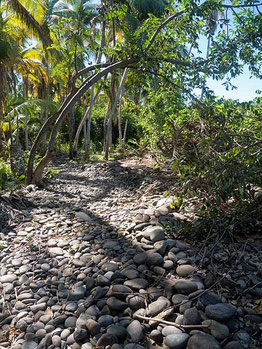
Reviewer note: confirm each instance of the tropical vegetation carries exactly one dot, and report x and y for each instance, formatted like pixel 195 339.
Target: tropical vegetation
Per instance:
pixel 88 77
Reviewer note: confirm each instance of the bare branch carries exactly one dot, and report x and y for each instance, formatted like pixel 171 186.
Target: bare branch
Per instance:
pixel 162 25
pixel 169 322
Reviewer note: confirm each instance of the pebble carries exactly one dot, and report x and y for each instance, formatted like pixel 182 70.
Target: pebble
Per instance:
pixel 107 339
pixel 137 284
pixel 220 311
pixel 135 331
pixel 185 286
pixel 156 307
pixel 154 233
pixel 177 340
pixel 93 327
pixel 29 345
pixel 8 278
pixel 184 270
pixel 218 330
pixel 201 340
pixel 94 276
pixel 191 317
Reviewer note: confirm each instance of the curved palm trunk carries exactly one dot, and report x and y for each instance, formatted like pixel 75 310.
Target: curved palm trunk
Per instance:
pixel 38 174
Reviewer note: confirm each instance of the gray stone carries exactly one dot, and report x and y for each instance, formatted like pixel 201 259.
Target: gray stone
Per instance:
pixel 133 346
pixel 182 246
pixel 109 266
pixel 93 327
pixel 233 345
pixel 191 317
pixel 154 233
pixel 77 293
pixel 209 298
pixel 185 286
pixel 41 333
pixel 105 320
pixel 154 258
pixel 140 258
pixel 8 288
pixel 177 299
pixel 45 267
pixel 23 296
pixel 101 280
pixel 80 334
pixel 168 330
pixel 202 341
pixel 120 291
pixel 83 217
pixel 137 284
pixel 221 311
pixel 184 270
pixel 106 339
pixel 41 306
pixel 156 307
pixel 57 251
pixel 56 340
pixel 177 341
pixel 29 345
pixel 8 278
pixel 135 331
pixel 116 304
pixel 81 321
pixel 64 334
pixel 217 330
pixel 70 322
pixel 131 274
pixel 156 336
pixel 72 306
pixel 16 262
pixel 20 305
pixel 136 302
pixel 117 330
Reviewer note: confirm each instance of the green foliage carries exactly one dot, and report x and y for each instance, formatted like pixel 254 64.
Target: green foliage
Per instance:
pixel 214 150
pixel 5 174
pixel 7 179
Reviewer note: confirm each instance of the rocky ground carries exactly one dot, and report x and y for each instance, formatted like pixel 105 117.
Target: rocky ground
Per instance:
pixel 97 260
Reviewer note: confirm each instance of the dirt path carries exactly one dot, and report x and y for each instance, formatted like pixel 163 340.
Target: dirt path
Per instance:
pixel 100 254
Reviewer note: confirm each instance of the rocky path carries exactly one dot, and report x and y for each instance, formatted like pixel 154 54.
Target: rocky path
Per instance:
pixel 99 263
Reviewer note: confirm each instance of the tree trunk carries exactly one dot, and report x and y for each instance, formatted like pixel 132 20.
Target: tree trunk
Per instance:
pixel 2 98
pixel 88 137
pixel 87 125
pixel 37 177
pixel 124 137
pixel 109 129
pixel 71 129
pixel 82 122
pixel 120 123
pixel 108 108
pixel 26 114
pixel 85 129
pixel 47 98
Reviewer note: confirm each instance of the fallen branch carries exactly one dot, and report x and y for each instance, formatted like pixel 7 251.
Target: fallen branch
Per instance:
pixel 169 322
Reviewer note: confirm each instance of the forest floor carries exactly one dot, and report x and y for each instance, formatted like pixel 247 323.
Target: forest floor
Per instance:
pixel 98 259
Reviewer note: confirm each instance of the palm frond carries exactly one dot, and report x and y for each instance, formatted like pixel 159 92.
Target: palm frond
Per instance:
pixel 32 103
pixel 41 30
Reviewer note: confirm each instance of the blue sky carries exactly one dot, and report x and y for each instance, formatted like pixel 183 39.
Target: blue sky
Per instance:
pixel 246 86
